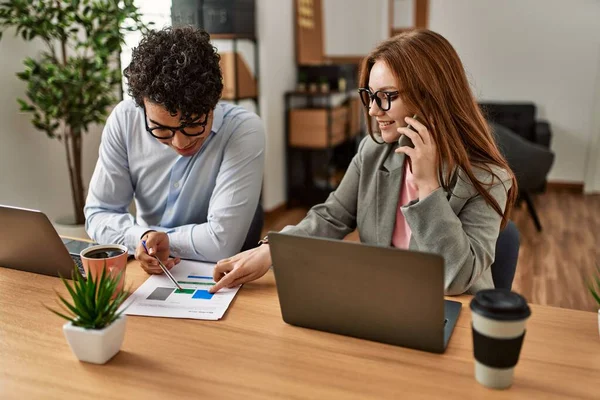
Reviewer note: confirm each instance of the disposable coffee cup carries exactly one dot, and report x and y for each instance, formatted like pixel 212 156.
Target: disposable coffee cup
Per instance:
pixel 499 318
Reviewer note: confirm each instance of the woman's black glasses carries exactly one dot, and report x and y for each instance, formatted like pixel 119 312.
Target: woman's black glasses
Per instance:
pixel 383 99
pixel 167 132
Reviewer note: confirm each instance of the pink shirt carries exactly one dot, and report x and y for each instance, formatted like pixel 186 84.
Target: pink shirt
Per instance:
pixel 408 192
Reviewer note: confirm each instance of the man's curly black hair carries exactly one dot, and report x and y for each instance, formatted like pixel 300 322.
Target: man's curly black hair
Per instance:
pixel 177 68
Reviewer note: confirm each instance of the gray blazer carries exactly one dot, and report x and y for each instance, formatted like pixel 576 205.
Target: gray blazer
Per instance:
pixel 459 224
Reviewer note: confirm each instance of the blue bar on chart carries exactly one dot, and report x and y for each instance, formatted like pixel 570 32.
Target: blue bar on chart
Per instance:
pixel 202 295
pixel 199 277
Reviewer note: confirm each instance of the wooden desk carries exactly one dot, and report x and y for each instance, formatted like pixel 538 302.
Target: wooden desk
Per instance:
pixel 253 354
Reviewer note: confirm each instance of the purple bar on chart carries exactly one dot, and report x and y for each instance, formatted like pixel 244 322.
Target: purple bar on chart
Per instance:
pixel 202 295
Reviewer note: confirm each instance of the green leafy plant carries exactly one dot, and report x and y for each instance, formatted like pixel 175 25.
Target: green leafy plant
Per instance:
pixel 95 302
pixel 302 77
pixel 594 285
pixel 71 84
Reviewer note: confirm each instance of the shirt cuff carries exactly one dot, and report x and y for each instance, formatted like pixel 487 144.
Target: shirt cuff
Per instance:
pixel 133 236
pixel 417 213
pixel 180 242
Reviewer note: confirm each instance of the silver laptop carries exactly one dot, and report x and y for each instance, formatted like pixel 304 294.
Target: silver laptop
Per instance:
pixel 377 293
pixel 30 243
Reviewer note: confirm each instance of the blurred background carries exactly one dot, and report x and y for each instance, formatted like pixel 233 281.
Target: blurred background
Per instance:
pixel 534 66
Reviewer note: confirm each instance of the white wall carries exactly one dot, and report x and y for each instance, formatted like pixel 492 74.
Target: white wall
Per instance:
pixel 353 27
pixel 277 74
pixel 545 51
pixel 33 168
pixel 592 176
pixel 157 12
pixel 404 13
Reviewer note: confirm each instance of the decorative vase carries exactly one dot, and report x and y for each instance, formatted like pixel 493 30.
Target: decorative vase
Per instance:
pixel 342 85
pixel 96 346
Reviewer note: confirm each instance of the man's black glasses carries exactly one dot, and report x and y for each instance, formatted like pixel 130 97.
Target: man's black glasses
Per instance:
pixel 382 98
pixel 167 132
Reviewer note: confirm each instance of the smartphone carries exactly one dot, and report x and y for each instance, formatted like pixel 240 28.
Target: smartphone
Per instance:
pixel 405 140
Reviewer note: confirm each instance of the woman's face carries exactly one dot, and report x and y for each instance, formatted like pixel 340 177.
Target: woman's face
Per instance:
pixel 382 79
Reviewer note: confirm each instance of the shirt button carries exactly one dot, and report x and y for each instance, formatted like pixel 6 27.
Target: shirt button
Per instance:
pixel 176 185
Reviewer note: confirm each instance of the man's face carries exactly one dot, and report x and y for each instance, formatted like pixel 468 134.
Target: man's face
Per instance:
pixel 162 124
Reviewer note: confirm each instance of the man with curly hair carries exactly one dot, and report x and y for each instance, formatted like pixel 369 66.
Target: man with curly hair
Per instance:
pixel 193 165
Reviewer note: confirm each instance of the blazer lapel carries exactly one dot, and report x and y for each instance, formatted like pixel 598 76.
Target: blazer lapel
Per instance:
pixel 389 178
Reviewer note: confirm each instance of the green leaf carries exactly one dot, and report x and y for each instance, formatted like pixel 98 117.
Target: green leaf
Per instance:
pixel 78 301
pixel 59 314
pixel 25 106
pixel 594 293
pixel 69 306
pixel 78 90
pixel 595 290
pixel 96 301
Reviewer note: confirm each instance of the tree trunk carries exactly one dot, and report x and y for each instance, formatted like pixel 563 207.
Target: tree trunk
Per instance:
pixel 73 149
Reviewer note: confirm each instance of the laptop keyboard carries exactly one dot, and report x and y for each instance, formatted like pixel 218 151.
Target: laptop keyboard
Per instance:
pixel 77 261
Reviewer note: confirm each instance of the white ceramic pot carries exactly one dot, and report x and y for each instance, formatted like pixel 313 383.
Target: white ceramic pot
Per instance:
pixel 96 345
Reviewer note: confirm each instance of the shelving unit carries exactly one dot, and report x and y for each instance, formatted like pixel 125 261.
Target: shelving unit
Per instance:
pixel 237 61
pixel 320 143
pixel 234 21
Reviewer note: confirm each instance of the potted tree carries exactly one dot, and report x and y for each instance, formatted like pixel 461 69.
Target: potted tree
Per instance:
pixel 594 287
pixel 73 83
pixel 96 328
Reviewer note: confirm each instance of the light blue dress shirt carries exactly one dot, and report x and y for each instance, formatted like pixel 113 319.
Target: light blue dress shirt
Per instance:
pixel 205 203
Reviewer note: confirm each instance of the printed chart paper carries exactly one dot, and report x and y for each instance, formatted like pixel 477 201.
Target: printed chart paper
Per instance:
pixel 157 297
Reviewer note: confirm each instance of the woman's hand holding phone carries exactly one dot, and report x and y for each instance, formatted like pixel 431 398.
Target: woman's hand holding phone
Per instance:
pixel 423 155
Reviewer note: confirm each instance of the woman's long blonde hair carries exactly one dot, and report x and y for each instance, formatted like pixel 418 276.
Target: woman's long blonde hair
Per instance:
pixel 434 86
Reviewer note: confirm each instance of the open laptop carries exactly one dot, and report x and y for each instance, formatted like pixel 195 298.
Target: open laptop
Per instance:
pixel 378 293
pixel 29 242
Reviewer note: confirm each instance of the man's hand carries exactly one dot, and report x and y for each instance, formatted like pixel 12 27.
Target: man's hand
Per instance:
pixel 241 268
pixel 157 244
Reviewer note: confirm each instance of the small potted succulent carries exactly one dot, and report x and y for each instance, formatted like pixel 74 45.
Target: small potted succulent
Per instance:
pixel 594 287
pixel 95 327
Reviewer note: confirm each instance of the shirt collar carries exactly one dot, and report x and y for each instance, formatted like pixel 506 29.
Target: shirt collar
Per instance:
pixel 217 118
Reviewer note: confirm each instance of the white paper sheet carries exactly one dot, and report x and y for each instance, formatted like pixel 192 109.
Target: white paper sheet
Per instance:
pixel 157 297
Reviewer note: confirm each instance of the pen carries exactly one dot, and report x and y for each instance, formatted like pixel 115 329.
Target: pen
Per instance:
pixel 162 266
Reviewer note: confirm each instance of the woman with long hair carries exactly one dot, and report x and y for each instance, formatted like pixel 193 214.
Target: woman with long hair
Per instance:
pixel 431 178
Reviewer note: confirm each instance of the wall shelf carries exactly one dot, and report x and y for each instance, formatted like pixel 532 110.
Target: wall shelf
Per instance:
pixel 320 143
